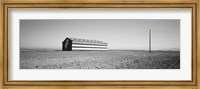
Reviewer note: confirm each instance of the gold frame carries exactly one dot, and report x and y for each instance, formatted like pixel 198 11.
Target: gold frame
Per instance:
pixel 6 84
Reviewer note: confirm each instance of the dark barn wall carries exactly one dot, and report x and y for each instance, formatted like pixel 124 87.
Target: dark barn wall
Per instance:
pixel 67 45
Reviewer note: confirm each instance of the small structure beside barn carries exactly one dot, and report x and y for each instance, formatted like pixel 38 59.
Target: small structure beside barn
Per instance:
pixel 70 44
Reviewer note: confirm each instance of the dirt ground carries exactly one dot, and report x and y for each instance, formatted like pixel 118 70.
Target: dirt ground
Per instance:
pixel 111 59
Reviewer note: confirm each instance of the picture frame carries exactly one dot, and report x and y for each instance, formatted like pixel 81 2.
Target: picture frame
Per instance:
pixel 98 84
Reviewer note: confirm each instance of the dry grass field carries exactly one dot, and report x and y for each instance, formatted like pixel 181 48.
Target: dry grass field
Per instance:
pixel 112 59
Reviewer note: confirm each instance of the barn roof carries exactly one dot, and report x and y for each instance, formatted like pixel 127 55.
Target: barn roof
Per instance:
pixel 78 40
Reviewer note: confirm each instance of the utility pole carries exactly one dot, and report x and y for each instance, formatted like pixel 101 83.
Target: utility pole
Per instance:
pixel 149 40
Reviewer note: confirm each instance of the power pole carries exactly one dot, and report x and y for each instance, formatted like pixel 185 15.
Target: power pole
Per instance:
pixel 149 40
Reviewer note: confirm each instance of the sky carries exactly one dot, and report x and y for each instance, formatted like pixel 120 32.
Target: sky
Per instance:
pixel 131 34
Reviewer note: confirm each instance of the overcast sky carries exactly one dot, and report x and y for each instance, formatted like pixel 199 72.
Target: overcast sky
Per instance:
pixel 118 33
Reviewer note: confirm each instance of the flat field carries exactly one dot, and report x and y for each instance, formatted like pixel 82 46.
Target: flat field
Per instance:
pixel 111 59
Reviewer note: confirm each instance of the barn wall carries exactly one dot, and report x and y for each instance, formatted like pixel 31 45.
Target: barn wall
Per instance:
pixel 88 47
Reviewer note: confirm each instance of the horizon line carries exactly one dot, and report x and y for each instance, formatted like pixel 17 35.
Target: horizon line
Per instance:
pixel 107 49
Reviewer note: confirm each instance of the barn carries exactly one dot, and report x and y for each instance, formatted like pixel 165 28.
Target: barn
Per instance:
pixel 70 44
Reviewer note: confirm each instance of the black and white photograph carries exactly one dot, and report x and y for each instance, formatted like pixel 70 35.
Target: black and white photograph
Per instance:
pixel 99 43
